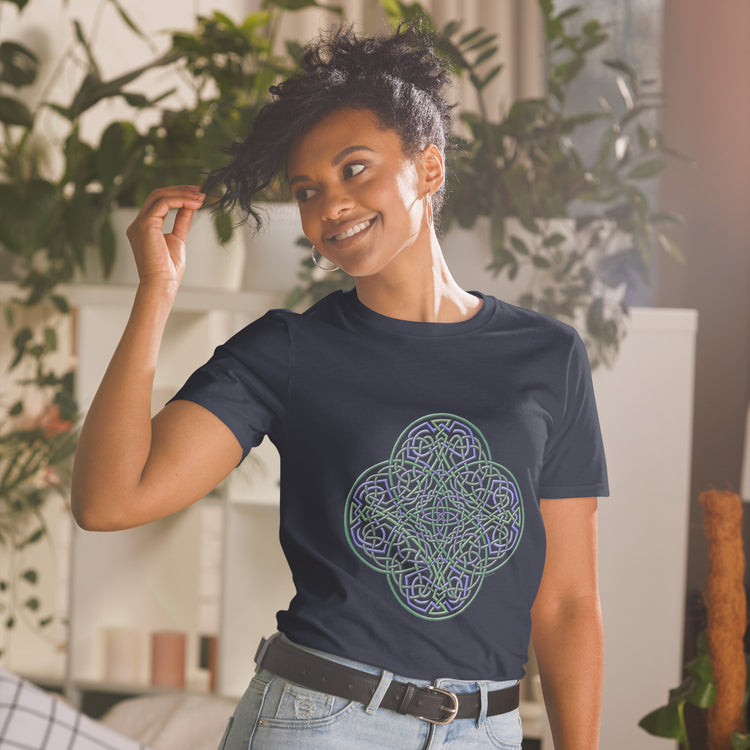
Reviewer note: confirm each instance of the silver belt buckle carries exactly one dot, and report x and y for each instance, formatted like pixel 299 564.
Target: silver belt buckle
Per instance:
pixel 452 710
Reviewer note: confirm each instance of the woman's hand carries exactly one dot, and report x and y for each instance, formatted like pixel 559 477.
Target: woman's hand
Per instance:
pixel 160 257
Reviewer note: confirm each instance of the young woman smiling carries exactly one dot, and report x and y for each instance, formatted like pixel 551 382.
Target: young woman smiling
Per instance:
pixel 440 448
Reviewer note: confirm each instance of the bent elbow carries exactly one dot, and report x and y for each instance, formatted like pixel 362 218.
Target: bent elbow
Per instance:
pixel 84 516
pixel 91 515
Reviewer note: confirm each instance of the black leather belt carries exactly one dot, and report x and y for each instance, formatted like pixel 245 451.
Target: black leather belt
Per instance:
pixel 430 703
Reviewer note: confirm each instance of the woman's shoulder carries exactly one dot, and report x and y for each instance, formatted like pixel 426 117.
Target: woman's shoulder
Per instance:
pixel 277 322
pixel 524 320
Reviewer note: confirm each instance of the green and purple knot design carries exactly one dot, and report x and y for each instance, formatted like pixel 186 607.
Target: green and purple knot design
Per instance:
pixel 436 518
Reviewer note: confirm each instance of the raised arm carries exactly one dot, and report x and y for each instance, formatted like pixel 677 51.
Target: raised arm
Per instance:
pixel 567 625
pixel 130 469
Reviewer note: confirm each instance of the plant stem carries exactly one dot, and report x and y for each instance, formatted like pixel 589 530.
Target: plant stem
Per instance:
pixel 681 714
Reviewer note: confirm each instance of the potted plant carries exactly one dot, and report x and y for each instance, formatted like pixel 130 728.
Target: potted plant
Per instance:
pixel 697 689
pixel 571 231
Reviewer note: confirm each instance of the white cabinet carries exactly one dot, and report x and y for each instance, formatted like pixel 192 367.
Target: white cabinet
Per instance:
pixel 646 410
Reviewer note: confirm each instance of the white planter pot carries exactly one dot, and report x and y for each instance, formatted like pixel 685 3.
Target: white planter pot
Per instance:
pixel 468 253
pixel 209 264
pixel 273 256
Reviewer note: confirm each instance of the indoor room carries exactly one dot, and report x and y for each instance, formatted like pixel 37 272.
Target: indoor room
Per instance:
pixel 593 185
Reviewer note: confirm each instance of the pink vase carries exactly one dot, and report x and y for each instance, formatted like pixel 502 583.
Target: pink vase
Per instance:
pixel 168 650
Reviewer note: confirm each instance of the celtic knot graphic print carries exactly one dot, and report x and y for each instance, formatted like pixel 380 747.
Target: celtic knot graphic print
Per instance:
pixel 437 517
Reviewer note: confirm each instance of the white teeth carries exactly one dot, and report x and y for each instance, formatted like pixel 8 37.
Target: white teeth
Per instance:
pixel 353 230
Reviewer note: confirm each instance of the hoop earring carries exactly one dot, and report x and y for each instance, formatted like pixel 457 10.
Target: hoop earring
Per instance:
pixel 428 211
pixel 315 256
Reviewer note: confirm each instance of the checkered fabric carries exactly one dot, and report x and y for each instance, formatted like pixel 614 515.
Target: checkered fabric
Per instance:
pixel 31 719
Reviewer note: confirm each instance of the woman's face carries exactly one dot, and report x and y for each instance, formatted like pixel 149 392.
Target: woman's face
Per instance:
pixel 361 198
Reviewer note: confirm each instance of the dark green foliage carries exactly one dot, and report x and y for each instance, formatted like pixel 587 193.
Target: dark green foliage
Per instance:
pixel 699 690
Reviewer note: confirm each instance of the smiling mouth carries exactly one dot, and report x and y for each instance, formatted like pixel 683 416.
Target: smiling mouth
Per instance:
pixel 356 229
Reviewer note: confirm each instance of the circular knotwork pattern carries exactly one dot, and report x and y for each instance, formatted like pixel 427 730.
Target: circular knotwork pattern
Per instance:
pixel 437 517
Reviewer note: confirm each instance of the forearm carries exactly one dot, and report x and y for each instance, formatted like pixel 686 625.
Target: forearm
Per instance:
pixel 569 645
pixel 116 436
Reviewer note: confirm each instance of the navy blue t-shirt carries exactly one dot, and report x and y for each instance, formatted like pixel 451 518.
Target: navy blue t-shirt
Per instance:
pixel 413 457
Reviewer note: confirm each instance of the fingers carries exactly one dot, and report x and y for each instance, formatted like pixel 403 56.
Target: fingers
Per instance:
pixel 182 222
pixel 160 255
pixel 161 201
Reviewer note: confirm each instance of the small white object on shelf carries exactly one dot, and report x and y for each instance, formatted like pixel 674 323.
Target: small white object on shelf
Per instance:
pixel 123 647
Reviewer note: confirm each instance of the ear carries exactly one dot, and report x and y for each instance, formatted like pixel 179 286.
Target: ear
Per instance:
pixel 432 169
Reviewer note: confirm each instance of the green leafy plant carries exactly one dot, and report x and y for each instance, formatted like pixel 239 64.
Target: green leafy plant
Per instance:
pixel 34 460
pixel 697 689
pixel 38 437
pixel 526 166
pixel 48 217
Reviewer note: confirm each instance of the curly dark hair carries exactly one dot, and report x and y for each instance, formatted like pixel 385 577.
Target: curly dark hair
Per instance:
pixel 398 77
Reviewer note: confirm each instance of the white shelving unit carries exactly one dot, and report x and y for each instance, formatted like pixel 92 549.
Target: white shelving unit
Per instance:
pixel 213 569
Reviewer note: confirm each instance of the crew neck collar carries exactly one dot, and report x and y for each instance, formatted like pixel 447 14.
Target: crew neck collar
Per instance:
pixel 397 326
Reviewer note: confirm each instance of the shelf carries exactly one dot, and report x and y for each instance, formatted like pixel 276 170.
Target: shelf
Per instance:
pixel 153 580
pixel 197 300
pixel 124 688
pixel 45 680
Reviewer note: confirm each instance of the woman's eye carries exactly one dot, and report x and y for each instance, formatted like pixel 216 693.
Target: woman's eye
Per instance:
pixel 351 170
pixel 304 194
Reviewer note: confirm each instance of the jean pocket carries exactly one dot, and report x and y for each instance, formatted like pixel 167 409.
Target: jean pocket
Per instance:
pixel 293 706
pixel 301 703
pixel 505 730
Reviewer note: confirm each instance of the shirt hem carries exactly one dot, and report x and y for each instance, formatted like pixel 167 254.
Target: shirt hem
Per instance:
pixel 583 490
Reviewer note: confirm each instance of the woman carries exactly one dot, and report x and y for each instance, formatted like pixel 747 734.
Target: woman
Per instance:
pixel 418 425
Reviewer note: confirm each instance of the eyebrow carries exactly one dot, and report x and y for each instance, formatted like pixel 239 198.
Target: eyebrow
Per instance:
pixel 334 162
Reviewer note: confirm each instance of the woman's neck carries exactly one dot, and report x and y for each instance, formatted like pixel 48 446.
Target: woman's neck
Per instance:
pixel 418 289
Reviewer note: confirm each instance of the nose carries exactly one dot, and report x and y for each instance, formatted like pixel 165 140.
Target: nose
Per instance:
pixel 336 202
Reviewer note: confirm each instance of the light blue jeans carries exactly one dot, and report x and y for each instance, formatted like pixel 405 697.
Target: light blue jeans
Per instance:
pixel 278 715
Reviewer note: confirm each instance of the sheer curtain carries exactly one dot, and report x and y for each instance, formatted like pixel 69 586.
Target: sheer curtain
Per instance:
pixel 517 22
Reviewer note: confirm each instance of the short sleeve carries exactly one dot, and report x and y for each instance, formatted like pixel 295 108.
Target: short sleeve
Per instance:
pixel 246 381
pixel 574 464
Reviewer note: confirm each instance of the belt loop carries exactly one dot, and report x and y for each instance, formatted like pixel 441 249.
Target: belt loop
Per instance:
pixel 482 704
pixel 377 696
pixel 262 648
